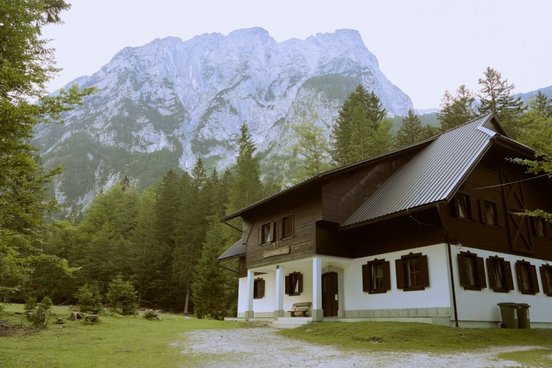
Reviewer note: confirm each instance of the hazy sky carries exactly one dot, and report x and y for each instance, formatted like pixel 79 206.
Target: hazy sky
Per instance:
pixel 423 46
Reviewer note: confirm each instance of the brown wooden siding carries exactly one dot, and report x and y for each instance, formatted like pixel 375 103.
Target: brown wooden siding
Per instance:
pixel 497 180
pixel 306 213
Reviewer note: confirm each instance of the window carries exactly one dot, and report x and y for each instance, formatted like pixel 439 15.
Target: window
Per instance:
pixel 546 278
pixel 267 232
pixel 376 276
pixel 287 226
pixel 488 213
pixel 412 272
pixel 472 271
pixel 461 206
pixel 258 288
pixel 527 278
pixel 500 275
pixel 294 283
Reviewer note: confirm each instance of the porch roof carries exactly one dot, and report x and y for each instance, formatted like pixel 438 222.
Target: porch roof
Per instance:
pixel 236 250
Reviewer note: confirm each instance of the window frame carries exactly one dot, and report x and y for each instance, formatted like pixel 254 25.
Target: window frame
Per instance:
pixel 271 227
pixel 546 279
pixel 370 278
pixel 405 271
pixel 258 288
pixel 471 270
pixel 462 198
pixel 284 227
pixel 498 267
pixel 526 275
pixel 294 283
pixel 485 204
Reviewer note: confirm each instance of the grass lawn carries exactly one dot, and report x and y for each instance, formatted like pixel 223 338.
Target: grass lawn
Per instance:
pixel 416 337
pixel 116 341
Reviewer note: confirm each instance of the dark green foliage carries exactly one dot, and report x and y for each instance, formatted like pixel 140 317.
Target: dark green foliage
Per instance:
pixel 89 299
pixel 496 97
pixel 122 296
pixel 361 129
pixel 412 131
pixel 311 153
pixel 38 313
pixel 456 110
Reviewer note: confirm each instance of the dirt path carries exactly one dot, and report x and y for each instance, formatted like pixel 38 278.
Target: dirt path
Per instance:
pixel 262 347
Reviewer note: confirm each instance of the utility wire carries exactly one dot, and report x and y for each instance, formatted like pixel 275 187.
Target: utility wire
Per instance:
pixel 512 182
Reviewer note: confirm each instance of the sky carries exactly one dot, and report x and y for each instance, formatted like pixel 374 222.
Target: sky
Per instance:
pixel 424 47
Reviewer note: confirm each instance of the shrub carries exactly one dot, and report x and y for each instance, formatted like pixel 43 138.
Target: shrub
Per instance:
pixel 89 299
pixel 151 314
pixel 122 296
pixel 38 313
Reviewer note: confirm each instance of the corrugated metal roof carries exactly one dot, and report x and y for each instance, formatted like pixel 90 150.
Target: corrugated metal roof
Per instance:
pixel 235 250
pixel 432 175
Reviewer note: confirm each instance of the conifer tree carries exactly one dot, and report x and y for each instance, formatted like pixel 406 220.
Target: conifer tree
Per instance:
pixel 412 131
pixel 497 98
pixel 361 129
pixel 311 153
pixel 456 110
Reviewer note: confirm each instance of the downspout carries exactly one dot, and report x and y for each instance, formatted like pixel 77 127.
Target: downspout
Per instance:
pixel 449 254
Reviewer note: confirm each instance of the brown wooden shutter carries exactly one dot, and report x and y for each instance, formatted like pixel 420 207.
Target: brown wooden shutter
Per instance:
pixel 544 274
pixel 508 276
pixel 491 273
pixel 288 285
pixel 386 276
pixel 366 278
pixel 399 269
pixel 424 272
pixel 482 214
pixel 521 287
pixel 463 271
pixel 300 281
pixel 481 273
pixel 534 279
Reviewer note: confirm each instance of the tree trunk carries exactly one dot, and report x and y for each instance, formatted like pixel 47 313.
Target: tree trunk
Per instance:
pixel 187 301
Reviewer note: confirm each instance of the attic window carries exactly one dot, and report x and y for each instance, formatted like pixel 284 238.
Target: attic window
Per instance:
pixel 287 226
pixel 461 206
pixel 526 275
pixel 267 233
pixel 489 213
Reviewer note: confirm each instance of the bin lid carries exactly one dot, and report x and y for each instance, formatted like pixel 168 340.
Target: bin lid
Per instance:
pixel 508 304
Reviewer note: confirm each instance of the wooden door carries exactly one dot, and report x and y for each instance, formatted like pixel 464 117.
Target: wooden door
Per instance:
pixel 330 298
pixel 514 202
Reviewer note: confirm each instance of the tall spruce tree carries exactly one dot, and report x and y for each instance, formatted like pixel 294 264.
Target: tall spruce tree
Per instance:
pixel 496 96
pixel 361 129
pixel 456 110
pixel 26 65
pixel 311 153
pixel 412 130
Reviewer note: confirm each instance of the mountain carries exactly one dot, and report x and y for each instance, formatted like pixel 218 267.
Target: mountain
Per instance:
pixel 167 103
pixel 547 91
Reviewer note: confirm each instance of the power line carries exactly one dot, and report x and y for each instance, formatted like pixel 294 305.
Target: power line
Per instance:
pixel 513 182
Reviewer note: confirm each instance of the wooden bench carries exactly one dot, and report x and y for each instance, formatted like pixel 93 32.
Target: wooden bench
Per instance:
pixel 301 309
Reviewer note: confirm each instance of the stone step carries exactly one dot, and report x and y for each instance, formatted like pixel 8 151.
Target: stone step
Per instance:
pixel 291 322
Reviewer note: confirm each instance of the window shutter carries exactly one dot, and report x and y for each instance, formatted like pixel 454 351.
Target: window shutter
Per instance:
pixel 274 232
pixel 365 278
pixel 424 271
pixel 481 273
pixel 463 271
pixel 482 214
pixel 544 278
pixel 508 276
pixel 288 285
pixel 387 276
pixel 399 269
pixel 491 273
pixel 521 287
pixel 300 281
pixel 534 280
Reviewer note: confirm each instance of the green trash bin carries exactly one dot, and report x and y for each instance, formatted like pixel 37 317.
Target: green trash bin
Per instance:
pixel 508 312
pixel 523 315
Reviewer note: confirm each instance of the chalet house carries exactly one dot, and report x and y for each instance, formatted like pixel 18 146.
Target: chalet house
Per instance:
pixel 429 233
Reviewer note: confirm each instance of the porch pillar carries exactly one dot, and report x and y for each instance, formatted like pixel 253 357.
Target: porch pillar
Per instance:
pixel 317 312
pixel 279 310
pixel 250 279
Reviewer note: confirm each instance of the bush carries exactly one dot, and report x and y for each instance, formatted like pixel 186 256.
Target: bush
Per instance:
pixel 151 314
pixel 122 296
pixel 89 299
pixel 38 313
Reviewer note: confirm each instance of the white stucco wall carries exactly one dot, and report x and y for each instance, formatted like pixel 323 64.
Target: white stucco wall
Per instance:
pixel 435 296
pixel 475 305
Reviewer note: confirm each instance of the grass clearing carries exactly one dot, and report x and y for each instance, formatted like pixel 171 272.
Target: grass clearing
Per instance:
pixel 417 337
pixel 530 358
pixel 116 341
